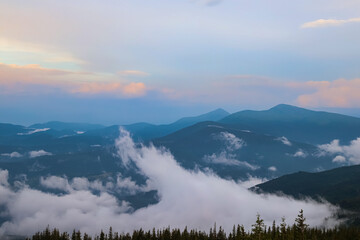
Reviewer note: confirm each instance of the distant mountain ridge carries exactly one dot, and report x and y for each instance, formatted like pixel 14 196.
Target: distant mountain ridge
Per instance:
pixel 59 126
pixel 298 124
pixel 147 131
pixel 259 154
pixel 266 143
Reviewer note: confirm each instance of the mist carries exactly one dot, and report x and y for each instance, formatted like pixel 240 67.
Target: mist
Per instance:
pixel 195 199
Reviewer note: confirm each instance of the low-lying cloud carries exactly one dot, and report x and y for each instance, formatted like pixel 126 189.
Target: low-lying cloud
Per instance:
pixel 300 153
pixel 186 198
pixel 120 184
pixel 226 156
pixel 284 140
pixel 228 159
pixel 231 142
pixel 39 153
pixel 344 153
pixel 35 131
pixel 12 155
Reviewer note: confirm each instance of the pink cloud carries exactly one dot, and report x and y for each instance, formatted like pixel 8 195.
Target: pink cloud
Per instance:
pixel 15 78
pixel 338 93
pixel 131 89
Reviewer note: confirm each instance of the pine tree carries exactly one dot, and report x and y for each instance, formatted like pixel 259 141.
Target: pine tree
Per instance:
pixel 110 237
pixel 283 229
pixel 258 227
pixel 300 226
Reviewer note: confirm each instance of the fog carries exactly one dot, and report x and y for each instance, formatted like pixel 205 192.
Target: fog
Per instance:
pixel 195 199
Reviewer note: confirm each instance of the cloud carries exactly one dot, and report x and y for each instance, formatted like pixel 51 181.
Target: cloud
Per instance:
pixel 351 152
pixel 333 147
pixel 272 169
pixel 121 185
pixel 54 182
pixel 228 159
pixel 4 176
pixel 339 159
pixel 186 198
pixel 40 53
pixel 22 79
pixel 251 182
pixel 232 142
pixel 39 153
pixel 12 155
pixel 35 131
pixel 329 22
pixel 338 93
pixel 131 89
pixel 284 140
pixel 300 153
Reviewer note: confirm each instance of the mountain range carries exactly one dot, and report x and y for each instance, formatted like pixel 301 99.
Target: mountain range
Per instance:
pixel 266 144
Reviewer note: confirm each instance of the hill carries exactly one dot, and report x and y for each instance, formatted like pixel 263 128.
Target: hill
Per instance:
pixel 297 124
pixel 339 186
pixel 234 153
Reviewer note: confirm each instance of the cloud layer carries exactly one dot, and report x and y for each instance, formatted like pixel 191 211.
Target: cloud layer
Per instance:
pixel 23 78
pixel 186 198
pixel 344 153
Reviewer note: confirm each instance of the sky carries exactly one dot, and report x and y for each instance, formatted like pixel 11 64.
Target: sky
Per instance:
pixel 119 62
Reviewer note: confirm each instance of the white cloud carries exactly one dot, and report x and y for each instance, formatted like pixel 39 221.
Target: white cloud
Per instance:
pixel 122 185
pixel 12 155
pixel 339 159
pixel 272 169
pixel 34 154
pixel 228 159
pixel 333 147
pixel 186 198
pixel 252 181
pixel 34 131
pixel 300 153
pixel 232 142
pixel 130 186
pixel 4 175
pixel 54 182
pixel 351 151
pixel 329 22
pixel 284 140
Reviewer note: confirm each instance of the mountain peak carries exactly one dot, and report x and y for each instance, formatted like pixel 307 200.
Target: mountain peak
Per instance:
pixel 219 111
pixel 285 107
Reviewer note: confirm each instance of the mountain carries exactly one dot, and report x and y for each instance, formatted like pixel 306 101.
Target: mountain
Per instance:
pixel 234 153
pixel 297 124
pixel 59 126
pixel 145 131
pixel 339 186
pixel 7 129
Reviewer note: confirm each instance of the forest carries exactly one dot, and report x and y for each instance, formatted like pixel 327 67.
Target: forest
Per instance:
pixel 299 230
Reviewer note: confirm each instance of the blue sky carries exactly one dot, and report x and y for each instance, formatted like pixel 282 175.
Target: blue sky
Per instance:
pixel 145 60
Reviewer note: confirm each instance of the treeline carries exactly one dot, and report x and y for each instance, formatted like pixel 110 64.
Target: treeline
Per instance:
pixel 298 231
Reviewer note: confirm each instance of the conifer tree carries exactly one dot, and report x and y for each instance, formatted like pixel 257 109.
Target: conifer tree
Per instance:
pixel 300 226
pixel 258 227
